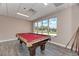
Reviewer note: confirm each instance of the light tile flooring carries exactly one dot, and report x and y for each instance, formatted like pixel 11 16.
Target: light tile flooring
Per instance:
pixel 13 48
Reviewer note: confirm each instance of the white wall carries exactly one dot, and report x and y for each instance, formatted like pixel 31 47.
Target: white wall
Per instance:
pixel 10 26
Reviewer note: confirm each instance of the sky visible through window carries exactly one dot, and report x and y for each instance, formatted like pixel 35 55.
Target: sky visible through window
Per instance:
pixel 45 22
pixel 53 23
pixel 35 24
pixel 39 23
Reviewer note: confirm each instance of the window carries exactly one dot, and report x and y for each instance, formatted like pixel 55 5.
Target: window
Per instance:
pixel 53 26
pixel 40 27
pixel 35 27
pixel 47 26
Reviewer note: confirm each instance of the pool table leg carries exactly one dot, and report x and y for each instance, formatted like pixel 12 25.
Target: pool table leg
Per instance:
pixel 42 47
pixel 32 50
pixel 20 41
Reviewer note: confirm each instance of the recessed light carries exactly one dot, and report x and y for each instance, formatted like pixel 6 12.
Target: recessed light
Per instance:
pixel 22 14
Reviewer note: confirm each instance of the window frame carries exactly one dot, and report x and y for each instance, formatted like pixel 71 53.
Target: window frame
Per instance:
pixel 56 25
pixel 48 25
pixel 34 27
pixel 41 24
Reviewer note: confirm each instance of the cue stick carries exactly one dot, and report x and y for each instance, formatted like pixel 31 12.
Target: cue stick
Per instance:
pixel 71 38
pixel 75 39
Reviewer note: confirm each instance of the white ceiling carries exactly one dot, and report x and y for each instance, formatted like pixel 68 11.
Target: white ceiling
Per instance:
pixel 11 9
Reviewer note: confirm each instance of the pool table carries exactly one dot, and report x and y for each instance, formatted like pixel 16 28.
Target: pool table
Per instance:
pixel 32 41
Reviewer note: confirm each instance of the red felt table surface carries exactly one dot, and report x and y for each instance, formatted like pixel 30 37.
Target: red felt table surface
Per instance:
pixel 30 36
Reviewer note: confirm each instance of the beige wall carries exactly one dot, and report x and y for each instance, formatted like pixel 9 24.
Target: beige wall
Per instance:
pixel 64 26
pixel 75 18
pixel 10 26
pixel 68 22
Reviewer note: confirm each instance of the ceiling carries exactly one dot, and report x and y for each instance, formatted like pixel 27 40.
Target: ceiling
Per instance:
pixel 34 10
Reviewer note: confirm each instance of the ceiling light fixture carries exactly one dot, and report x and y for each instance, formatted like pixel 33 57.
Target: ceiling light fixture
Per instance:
pixel 45 4
pixel 22 14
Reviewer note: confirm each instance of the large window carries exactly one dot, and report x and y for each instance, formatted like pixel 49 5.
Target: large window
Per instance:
pixel 47 26
pixel 40 27
pixel 53 26
pixel 35 27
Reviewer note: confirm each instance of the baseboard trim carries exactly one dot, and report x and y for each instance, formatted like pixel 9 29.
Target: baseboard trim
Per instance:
pixel 8 40
pixel 59 44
